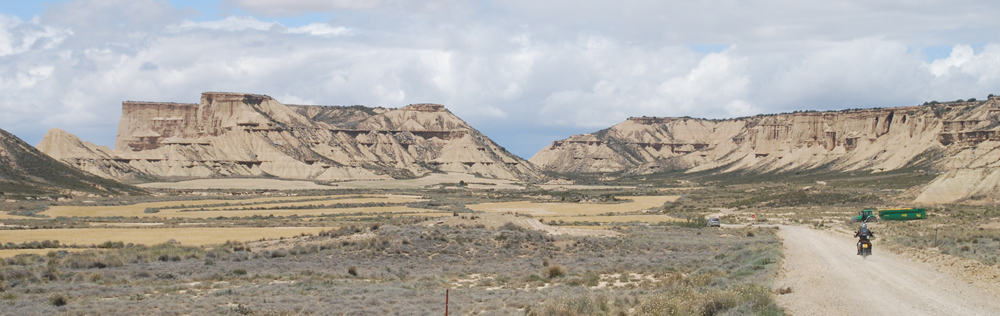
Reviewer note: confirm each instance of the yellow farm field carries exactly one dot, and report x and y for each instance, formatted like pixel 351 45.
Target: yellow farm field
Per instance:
pixel 320 211
pixel 191 236
pixel 426 214
pixel 137 209
pixel 613 219
pixel 381 199
pixel 570 209
pixel 302 212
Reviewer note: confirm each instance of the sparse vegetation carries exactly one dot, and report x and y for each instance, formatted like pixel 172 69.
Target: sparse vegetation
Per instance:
pixel 369 259
pixel 390 265
pixel 971 232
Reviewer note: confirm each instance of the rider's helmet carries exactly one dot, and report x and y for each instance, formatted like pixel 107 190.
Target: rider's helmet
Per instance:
pixel 864 225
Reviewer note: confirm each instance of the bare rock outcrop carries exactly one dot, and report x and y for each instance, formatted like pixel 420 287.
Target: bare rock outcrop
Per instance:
pixel 959 139
pixel 24 170
pixel 236 134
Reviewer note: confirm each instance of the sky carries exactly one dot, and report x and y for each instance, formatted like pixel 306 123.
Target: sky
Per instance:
pixel 523 72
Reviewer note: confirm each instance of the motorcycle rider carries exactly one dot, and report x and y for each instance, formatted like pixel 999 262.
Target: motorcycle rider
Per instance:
pixel 863 234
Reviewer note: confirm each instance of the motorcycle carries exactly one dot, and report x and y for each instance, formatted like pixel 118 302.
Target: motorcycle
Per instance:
pixel 866 248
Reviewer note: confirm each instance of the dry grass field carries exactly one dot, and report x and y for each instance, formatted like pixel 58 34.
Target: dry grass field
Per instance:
pixel 434 180
pixel 175 209
pixel 405 270
pixel 284 212
pixel 4 215
pixel 136 209
pixel 421 213
pixel 389 254
pixel 193 236
pixel 292 205
pixel 638 203
pixel 7 253
pixel 652 219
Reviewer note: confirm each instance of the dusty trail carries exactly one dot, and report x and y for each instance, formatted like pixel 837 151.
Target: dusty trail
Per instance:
pixel 828 278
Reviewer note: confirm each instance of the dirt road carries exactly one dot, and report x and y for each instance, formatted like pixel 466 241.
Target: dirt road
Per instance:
pixel 828 278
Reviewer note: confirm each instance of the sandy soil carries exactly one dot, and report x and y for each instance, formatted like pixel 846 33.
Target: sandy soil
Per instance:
pixel 828 278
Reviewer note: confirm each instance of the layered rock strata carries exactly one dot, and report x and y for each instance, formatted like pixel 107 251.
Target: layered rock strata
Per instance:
pixel 24 170
pixel 961 139
pixel 249 135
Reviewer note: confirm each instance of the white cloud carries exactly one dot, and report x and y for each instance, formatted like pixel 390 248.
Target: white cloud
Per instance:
pixel 247 23
pixel 980 70
pixel 293 99
pixel 18 37
pixel 865 72
pixel 959 55
pixel 295 7
pixel 30 77
pixel 320 29
pixel 717 80
pixel 230 23
pixel 554 65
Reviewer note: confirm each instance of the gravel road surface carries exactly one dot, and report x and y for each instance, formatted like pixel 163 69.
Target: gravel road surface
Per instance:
pixel 828 278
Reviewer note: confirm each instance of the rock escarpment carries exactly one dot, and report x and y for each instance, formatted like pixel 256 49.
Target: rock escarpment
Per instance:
pixel 24 170
pixel 235 134
pixel 960 139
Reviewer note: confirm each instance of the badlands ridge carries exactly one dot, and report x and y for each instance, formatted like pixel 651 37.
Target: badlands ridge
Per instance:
pixel 959 140
pixel 249 135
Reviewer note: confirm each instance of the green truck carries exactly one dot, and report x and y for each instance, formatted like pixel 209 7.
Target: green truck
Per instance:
pixel 865 216
pixel 892 214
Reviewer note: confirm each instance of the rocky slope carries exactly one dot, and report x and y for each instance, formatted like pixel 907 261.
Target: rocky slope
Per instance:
pixel 26 171
pixel 960 139
pixel 249 135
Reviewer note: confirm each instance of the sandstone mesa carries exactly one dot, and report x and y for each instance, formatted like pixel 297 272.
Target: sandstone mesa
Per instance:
pixel 250 135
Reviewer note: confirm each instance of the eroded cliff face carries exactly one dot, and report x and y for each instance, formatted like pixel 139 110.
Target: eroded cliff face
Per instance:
pixel 960 139
pixel 235 134
pixel 26 170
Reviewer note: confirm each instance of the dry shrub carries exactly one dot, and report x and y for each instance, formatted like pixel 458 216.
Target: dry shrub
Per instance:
pixel 235 245
pixel 739 300
pixel 783 290
pixel 58 299
pixel 554 271
pixel 573 305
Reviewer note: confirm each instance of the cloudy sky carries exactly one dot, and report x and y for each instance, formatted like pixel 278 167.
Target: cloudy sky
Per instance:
pixel 524 72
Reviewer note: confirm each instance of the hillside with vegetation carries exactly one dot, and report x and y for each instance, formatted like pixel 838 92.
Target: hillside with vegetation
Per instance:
pixel 27 172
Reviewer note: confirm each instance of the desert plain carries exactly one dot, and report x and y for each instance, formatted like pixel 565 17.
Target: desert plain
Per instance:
pixel 633 246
